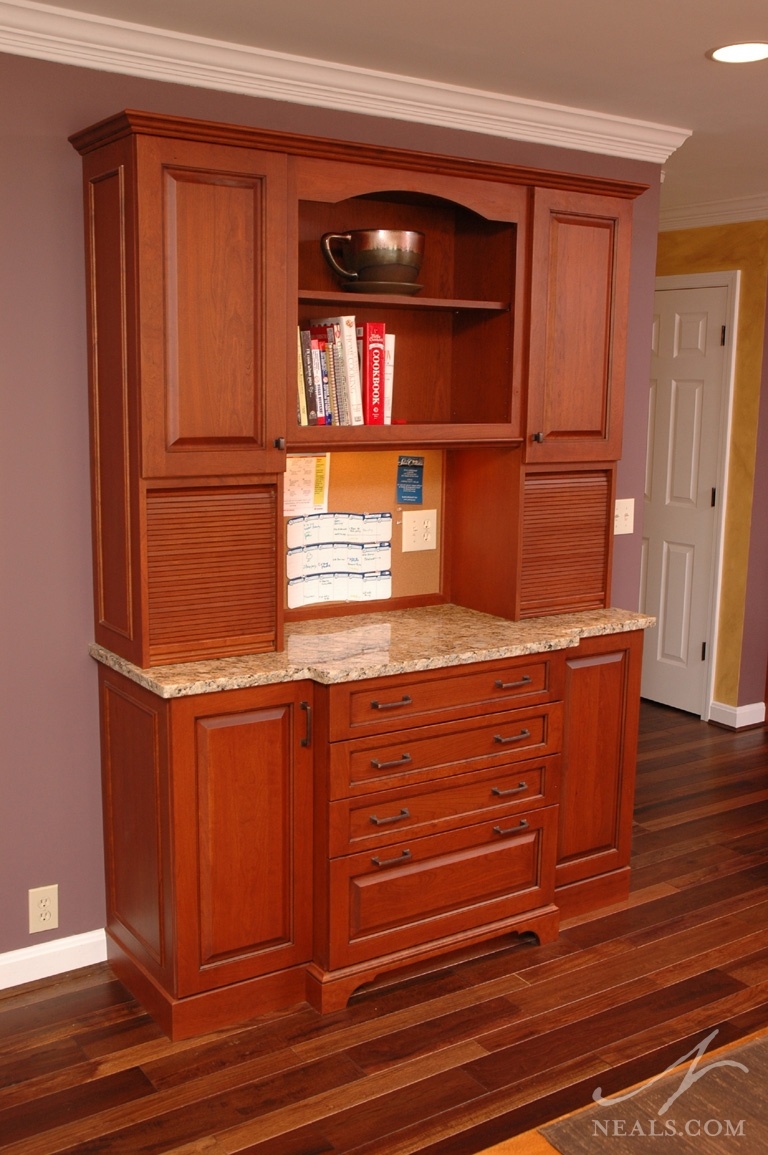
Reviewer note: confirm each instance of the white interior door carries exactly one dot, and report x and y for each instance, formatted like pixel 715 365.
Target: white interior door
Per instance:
pixel 689 406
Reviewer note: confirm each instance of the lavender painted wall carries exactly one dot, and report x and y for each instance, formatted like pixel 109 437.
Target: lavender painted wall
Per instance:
pixel 50 824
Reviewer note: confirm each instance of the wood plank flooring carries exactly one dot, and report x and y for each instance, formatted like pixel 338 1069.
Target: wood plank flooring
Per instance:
pixel 451 1062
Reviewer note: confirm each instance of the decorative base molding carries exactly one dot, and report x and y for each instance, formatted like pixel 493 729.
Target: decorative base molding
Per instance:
pixel 70 37
pixel 736 717
pixel 52 958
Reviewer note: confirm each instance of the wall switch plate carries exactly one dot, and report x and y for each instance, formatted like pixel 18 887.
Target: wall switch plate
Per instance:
pixel 43 908
pixel 419 529
pixel 624 515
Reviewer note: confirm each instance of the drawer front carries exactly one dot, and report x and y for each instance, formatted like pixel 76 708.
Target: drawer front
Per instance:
pixel 439 886
pixel 383 762
pixel 390 816
pixel 380 705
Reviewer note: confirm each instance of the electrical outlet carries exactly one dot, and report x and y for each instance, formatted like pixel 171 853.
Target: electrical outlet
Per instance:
pixel 43 908
pixel 624 515
pixel 419 529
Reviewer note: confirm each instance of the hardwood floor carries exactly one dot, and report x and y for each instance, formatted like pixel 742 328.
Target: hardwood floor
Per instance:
pixel 451 1062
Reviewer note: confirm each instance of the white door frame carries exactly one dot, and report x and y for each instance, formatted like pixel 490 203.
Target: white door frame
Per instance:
pixel 730 279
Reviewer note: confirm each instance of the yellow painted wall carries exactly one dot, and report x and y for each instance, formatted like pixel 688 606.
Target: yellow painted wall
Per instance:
pixel 742 246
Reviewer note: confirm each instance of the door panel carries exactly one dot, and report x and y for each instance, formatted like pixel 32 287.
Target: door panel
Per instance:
pixel 579 301
pixel 682 471
pixel 213 335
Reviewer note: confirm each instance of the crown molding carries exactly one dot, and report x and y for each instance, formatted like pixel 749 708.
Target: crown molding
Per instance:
pixel 727 212
pixel 78 38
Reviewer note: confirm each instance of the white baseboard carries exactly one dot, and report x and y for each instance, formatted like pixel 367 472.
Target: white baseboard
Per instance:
pixel 737 716
pixel 52 958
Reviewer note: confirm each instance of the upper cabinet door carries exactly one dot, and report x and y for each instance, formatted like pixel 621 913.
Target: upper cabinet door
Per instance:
pixel 211 242
pixel 579 303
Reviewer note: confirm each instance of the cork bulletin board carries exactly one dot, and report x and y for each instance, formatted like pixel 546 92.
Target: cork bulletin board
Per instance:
pixel 366 482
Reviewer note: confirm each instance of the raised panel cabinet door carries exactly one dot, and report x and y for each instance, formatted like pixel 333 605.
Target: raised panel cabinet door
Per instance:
pixel 579 304
pixel 602 703
pixel 242 789
pixel 212 237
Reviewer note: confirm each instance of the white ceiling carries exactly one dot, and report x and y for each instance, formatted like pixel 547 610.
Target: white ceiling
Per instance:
pixel 643 60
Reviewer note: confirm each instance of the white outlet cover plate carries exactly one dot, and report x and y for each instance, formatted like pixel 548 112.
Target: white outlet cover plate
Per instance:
pixel 624 516
pixel 419 529
pixel 43 908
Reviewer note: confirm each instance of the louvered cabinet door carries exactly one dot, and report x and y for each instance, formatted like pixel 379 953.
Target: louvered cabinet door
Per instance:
pixel 210 572
pixel 566 540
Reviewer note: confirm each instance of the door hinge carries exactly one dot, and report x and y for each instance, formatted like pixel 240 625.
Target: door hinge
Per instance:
pixel 722 335
pixel 703 651
pixel 713 502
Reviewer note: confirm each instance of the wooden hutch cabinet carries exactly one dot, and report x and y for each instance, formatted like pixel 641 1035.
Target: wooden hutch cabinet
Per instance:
pixel 290 839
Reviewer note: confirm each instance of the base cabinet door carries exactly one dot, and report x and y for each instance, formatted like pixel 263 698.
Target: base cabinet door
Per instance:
pixel 602 700
pixel 208 829
pixel 242 789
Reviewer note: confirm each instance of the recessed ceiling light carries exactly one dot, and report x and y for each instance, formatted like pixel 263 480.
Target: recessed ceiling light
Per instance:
pixel 740 53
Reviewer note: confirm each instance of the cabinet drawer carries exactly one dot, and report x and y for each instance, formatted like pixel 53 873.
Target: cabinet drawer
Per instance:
pixel 381 762
pixel 390 816
pixel 379 705
pixel 434 887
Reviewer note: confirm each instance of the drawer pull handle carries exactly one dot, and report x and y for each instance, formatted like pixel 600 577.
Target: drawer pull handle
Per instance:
pixel 519 789
pixel 404 813
pixel 526 678
pixel 406 700
pixel 511 829
pixel 402 761
pixel 401 858
pixel 515 737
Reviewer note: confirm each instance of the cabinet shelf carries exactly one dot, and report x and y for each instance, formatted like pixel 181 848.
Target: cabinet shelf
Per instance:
pixel 440 434
pixel 348 302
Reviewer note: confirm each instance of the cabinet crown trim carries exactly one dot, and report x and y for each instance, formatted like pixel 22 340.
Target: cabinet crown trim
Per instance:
pixel 93 41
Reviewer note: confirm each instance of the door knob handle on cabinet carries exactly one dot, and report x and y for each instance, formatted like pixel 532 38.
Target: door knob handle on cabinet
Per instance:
pixel 307 739
pixel 538 437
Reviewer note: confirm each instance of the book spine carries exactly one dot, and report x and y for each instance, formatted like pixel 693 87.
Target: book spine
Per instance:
pixel 301 389
pixel 371 345
pixel 330 376
pixel 309 377
pixel 333 330
pixel 320 378
pixel 348 341
pixel 389 375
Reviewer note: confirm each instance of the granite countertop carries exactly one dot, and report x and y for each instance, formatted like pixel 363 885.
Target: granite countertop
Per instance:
pixel 348 649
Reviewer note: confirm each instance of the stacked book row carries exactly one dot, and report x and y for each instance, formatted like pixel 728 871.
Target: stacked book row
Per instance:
pixel 345 372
